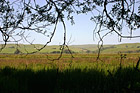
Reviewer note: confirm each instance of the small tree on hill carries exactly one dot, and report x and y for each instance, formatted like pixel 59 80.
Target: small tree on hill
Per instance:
pixel 17 51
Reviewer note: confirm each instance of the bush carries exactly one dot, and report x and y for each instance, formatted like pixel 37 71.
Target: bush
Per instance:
pixel 17 51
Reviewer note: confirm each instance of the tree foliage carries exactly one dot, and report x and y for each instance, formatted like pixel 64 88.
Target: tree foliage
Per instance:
pixel 17 17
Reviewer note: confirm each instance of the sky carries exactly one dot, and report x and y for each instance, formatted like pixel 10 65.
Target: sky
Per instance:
pixel 80 33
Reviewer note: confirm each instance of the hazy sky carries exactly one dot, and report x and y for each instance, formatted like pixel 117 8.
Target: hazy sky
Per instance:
pixel 80 33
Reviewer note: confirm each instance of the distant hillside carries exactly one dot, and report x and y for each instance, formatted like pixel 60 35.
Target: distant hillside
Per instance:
pixel 91 48
pixel 124 48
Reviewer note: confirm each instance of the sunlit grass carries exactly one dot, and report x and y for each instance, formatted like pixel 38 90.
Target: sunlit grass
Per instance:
pixel 82 61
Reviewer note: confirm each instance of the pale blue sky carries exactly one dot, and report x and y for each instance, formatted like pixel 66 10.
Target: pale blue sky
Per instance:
pixel 80 33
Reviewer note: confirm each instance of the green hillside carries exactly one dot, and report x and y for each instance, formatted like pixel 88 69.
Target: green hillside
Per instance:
pixel 90 48
pixel 123 48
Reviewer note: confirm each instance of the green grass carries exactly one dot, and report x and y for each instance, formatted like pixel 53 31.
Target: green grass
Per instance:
pixel 69 81
pixel 83 74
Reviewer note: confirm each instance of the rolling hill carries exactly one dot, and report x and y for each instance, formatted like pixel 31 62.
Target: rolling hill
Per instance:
pixel 89 48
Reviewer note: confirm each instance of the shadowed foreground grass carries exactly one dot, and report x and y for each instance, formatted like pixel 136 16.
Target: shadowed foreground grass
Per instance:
pixel 125 80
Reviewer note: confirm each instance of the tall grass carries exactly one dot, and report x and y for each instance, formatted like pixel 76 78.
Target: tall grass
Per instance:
pixel 69 80
pixel 82 74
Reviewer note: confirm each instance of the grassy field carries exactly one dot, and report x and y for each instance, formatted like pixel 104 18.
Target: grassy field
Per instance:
pixel 82 74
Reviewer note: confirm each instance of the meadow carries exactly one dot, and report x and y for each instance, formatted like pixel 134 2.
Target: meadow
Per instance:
pixel 81 74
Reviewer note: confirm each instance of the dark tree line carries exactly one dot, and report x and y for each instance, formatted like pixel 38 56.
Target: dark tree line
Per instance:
pixel 17 17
